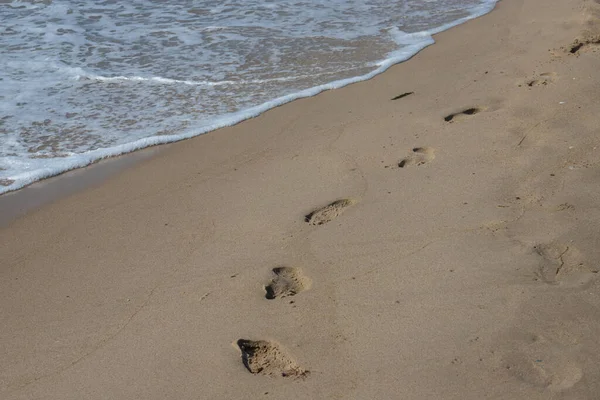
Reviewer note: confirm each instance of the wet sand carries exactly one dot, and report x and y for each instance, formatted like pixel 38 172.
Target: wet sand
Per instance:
pixel 443 245
pixel 18 203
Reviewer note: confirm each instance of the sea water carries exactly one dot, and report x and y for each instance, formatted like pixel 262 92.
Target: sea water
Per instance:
pixel 82 80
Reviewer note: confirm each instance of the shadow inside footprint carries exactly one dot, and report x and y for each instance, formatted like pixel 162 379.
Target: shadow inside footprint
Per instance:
pixel 537 82
pixel 288 281
pixel 468 111
pixel 400 96
pixel 419 156
pixel 325 214
pixel 542 80
pixel 579 44
pixel 269 358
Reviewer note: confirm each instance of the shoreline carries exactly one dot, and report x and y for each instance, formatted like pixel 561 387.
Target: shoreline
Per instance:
pixel 19 202
pixel 457 258
pixel 412 47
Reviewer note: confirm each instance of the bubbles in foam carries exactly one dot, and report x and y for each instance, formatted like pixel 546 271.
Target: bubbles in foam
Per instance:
pixel 86 79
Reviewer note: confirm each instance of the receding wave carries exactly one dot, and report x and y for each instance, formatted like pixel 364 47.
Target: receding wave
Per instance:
pixel 84 80
pixel 169 81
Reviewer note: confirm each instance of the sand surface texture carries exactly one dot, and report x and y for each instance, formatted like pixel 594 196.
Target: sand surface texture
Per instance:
pixel 443 245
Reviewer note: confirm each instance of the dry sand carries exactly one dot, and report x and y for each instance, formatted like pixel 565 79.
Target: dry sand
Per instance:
pixel 463 266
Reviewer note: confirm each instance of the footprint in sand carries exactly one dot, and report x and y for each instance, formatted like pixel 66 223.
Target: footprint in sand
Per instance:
pixel 269 358
pixel 288 281
pixel 552 374
pixel 542 79
pixel 462 114
pixel 561 263
pixel 419 156
pixel 325 214
pixel 585 44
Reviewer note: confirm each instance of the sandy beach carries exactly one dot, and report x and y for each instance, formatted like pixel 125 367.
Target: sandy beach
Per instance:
pixel 442 245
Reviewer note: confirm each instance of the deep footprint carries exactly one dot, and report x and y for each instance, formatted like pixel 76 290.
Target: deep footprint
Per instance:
pixel 580 44
pixel 288 281
pixel 419 156
pixel 326 214
pixel 270 359
pixel 467 112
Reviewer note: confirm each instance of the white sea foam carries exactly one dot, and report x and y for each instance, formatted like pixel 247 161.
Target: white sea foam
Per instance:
pixel 83 80
pixel 80 74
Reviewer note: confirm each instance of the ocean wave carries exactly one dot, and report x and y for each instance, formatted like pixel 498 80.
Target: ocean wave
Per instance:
pixel 56 122
pixel 170 81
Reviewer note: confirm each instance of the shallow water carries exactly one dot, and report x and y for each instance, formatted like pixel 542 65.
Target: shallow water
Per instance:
pixel 87 79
